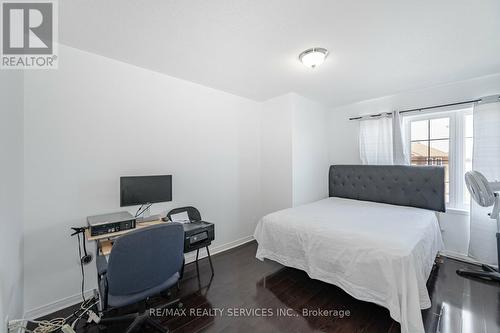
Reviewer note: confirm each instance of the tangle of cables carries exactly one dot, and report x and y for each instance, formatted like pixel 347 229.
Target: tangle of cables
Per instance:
pixel 52 325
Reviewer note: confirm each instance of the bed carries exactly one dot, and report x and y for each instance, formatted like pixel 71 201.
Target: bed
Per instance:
pixel 376 236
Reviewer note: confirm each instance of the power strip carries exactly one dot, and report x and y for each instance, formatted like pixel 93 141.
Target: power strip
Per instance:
pixel 16 326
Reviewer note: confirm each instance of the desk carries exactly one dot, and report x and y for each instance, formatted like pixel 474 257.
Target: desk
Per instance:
pixel 104 243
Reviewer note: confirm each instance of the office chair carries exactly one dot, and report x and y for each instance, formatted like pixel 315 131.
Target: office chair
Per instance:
pixel 142 263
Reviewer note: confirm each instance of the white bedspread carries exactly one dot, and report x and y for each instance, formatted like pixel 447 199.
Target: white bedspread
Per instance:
pixel 375 252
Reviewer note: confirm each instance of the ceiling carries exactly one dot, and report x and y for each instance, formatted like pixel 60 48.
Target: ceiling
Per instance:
pixel 250 48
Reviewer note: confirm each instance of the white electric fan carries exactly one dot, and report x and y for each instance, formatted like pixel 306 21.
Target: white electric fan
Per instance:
pixel 484 193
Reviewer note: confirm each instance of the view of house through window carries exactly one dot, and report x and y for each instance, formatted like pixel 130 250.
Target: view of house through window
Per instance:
pixel 444 139
pixel 430 145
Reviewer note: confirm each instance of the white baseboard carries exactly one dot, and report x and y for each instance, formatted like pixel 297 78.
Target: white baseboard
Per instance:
pixel 459 256
pixel 52 307
pixel 218 249
pixel 49 308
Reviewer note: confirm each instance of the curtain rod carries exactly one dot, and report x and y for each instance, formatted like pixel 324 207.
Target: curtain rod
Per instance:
pixel 419 109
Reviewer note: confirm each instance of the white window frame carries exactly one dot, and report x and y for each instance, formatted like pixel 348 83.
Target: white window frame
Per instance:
pixel 456 150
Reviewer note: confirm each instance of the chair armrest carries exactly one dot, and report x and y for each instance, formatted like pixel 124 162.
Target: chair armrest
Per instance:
pixel 102 265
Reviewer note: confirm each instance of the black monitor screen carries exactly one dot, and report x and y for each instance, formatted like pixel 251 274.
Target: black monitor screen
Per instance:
pixel 141 190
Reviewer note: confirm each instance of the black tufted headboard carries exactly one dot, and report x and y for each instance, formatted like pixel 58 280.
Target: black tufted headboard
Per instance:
pixel 414 186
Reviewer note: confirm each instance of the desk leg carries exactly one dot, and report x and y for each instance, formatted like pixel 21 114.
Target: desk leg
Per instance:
pixel 196 262
pixel 210 260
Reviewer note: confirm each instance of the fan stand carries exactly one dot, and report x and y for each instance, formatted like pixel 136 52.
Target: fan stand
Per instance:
pixel 488 272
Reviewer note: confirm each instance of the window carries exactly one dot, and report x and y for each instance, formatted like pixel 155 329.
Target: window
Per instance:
pixel 445 139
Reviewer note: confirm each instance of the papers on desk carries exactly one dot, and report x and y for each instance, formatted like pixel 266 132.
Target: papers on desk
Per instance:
pixel 182 217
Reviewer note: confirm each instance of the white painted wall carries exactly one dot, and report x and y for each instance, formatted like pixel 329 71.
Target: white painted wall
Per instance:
pixel 343 145
pixel 343 136
pixel 455 232
pixel 309 151
pixel 11 195
pixel 94 120
pixel 294 152
pixel 276 148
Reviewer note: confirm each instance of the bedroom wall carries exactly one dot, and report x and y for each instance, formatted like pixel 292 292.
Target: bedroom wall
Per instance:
pixel 309 151
pixel 276 149
pixel 343 146
pixel 11 196
pixel 96 119
pixel 343 136
pixel 294 152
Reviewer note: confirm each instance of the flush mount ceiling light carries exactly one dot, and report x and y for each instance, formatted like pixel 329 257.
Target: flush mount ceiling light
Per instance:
pixel 313 57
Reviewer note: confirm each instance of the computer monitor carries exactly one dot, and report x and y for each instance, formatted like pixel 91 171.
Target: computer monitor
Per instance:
pixel 141 190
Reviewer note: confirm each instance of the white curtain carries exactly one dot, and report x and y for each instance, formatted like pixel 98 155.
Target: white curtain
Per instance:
pixel 375 141
pixel 399 155
pixel 485 159
pixel 381 140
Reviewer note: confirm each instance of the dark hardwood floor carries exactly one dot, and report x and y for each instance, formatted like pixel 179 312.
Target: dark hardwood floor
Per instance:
pixel 247 295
